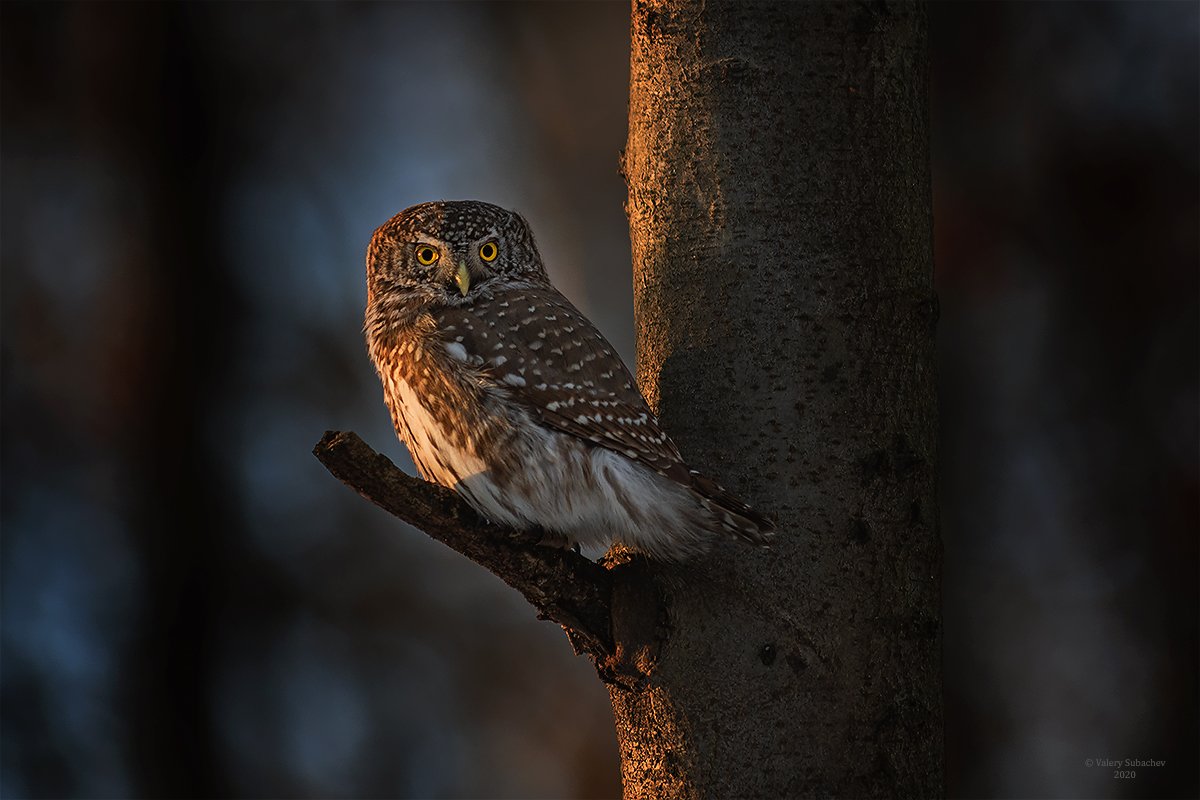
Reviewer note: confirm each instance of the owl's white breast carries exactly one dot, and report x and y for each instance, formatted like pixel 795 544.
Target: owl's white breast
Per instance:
pixel 442 461
pixel 560 484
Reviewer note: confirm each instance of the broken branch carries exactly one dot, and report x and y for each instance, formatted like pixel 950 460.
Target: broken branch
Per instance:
pixel 562 585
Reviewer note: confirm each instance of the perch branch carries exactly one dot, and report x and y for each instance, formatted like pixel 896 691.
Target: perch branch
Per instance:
pixel 562 585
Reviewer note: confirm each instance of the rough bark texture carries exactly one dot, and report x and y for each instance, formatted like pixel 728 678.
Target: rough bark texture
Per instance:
pixel 779 204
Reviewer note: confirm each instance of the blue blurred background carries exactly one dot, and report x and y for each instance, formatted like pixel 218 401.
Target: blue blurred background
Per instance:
pixel 193 606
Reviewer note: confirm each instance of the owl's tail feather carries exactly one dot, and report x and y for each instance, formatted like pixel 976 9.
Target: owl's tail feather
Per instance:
pixel 736 518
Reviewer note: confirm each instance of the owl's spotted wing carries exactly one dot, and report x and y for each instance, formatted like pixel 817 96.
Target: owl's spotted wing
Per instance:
pixel 536 347
pixel 539 349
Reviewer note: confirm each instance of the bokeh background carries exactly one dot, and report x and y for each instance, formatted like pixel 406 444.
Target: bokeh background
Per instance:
pixel 193 606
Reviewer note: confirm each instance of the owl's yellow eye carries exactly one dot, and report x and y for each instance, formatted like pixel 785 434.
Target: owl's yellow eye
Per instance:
pixel 426 255
pixel 489 251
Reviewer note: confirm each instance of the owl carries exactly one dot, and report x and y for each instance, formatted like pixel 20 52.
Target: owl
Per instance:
pixel 503 391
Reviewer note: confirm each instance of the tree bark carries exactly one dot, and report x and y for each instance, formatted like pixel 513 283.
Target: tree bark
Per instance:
pixel 780 214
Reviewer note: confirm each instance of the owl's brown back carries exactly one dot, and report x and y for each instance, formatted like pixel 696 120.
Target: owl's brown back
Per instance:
pixel 533 345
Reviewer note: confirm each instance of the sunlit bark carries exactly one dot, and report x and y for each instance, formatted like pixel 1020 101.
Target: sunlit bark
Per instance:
pixel 779 204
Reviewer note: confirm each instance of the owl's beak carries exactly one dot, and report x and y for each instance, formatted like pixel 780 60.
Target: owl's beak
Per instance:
pixel 463 279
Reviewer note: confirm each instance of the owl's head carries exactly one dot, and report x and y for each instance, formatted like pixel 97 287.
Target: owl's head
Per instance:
pixel 451 251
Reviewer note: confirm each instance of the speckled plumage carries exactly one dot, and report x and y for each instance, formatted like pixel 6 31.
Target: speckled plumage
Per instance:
pixel 504 392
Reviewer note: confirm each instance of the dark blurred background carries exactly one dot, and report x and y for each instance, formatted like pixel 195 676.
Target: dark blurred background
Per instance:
pixel 193 606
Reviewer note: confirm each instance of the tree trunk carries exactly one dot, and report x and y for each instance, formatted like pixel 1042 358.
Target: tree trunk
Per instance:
pixel 779 205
